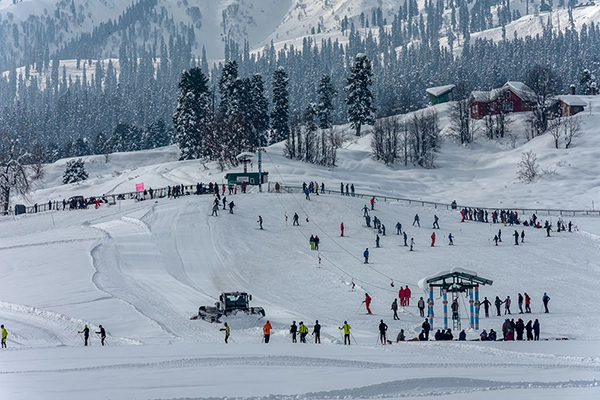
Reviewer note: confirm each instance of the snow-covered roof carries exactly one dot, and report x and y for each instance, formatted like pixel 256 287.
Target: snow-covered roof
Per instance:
pixel 520 89
pixel 439 90
pixel 571 100
pixel 483 96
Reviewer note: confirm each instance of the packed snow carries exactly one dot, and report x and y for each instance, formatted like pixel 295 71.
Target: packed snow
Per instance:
pixel 142 269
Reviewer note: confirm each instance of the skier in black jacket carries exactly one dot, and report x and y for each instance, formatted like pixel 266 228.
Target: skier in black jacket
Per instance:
pixel 382 332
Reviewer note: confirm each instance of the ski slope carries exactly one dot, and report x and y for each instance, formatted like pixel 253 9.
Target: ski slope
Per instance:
pixel 142 269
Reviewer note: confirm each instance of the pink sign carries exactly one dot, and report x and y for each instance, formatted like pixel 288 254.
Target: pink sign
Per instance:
pixel 139 187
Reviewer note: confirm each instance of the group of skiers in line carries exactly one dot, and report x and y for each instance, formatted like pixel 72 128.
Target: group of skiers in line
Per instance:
pixel 86 334
pixel 349 189
pixel 217 203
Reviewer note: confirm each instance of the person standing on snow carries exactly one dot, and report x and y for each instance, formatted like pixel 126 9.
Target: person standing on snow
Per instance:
pixel 267 331
pixel 395 309
pixel 450 239
pixel 454 307
pixel 486 306
pixel 293 331
pixel 407 294
pixel 342 188
pixel 382 332
pixel 498 303
pixel 4 336
pixel 433 239
pixel 317 241
pixel 372 203
pixel 225 329
pixel 295 220
pixel 527 303
pixel 412 243
pixel 536 330
pixel 507 302
pixel 500 235
pixel 520 303
pixel 366 255
pixel 405 237
pixel 436 224
pixel 86 334
pixel 367 302
pixel 401 295
pixel 317 332
pixel 421 305
pixel 303 330
pixel 365 211
pixel 215 210
pixel 342 229
pixel 516 235
pixel 426 328
pixel 545 300
pixel 260 222
pixel 346 328
pixel 523 236
pixel 102 334
pixel 376 240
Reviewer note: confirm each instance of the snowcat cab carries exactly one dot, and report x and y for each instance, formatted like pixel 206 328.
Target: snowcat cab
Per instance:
pixel 229 304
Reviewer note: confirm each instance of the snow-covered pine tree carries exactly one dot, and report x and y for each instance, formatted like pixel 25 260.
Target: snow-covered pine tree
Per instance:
pixel 310 134
pixel 193 118
pixel 259 109
pixel 359 97
pixel 75 171
pixel 280 126
pixel 326 92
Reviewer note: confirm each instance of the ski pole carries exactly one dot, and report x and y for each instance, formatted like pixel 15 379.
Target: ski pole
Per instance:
pixel 352 336
pixel 359 307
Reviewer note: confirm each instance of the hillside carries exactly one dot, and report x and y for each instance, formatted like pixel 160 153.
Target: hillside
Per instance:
pixel 141 269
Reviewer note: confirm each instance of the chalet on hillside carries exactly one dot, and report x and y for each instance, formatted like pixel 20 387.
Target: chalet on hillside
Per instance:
pixel 440 94
pixel 568 105
pixel 512 97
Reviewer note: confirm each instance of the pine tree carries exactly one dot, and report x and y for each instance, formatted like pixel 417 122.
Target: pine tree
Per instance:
pixel 326 92
pixel 358 94
pixel 280 127
pixel 75 171
pixel 193 117
pixel 259 109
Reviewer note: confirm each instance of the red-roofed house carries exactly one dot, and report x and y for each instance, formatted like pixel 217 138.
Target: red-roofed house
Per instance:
pixel 512 97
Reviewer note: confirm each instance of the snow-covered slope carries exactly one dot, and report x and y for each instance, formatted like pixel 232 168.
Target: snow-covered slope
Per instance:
pixel 141 269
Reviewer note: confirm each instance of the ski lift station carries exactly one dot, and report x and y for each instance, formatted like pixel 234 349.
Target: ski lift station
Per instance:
pixel 250 178
pixel 455 281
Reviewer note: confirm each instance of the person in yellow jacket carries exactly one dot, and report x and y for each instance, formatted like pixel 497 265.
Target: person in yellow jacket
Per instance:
pixel 267 331
pixel 303 331
pixel 4 336
pixel 346 328
pixel 226 330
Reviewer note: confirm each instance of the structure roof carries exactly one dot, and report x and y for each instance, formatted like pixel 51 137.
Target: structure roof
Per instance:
pixel 439 90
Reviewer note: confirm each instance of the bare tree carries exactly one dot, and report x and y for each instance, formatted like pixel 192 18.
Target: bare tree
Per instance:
pixel 36 160
pixel 385 141
pixel 13 173
pixel 544 83
pixel 424 136
pixel 572 128
pixel 460 116
pixel 555 128
pixel 529 169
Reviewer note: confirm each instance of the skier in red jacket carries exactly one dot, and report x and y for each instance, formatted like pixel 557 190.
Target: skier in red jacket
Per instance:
pixel 367 302
pixel 407 294
pixel 401 294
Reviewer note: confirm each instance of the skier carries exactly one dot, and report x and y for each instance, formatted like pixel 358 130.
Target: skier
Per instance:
pixel 395 309
pixel 548 229
pixel 4 336
pixel 486 306
pixel 346 328
pixel 352 189
pixel 436 225
pixel 367 302
pixel 376 240
pixel 398 228
pixel 366 255
pixel 421 305
pixel 86 334
pixel 527 303
pixel 401 295
pixel 295 220
pixel 383 229
pixel 102 334
pixel 433 239
pixel 267 331
pixel 347 192
pixel 450 239
pixel 224 203
pixel 382 332
pixel 293 331
pixel 372 203
pixel 545 300
pixel 317 332
pixel 231 205
pixel 520 303
pixel 523 236
pixel 342 229
pixel 407 294
pixel 516 235
pixel 416 221
pixel 507 302
pixel 303 331
pixel 215 210
pixel 342 188
pixel 496 239
pixel 498 303
pixel 500 235
pixel 225 329
pixel 412 243
pixel 317 241
pixel 365 211
pixel 405 236
pixel 260 221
